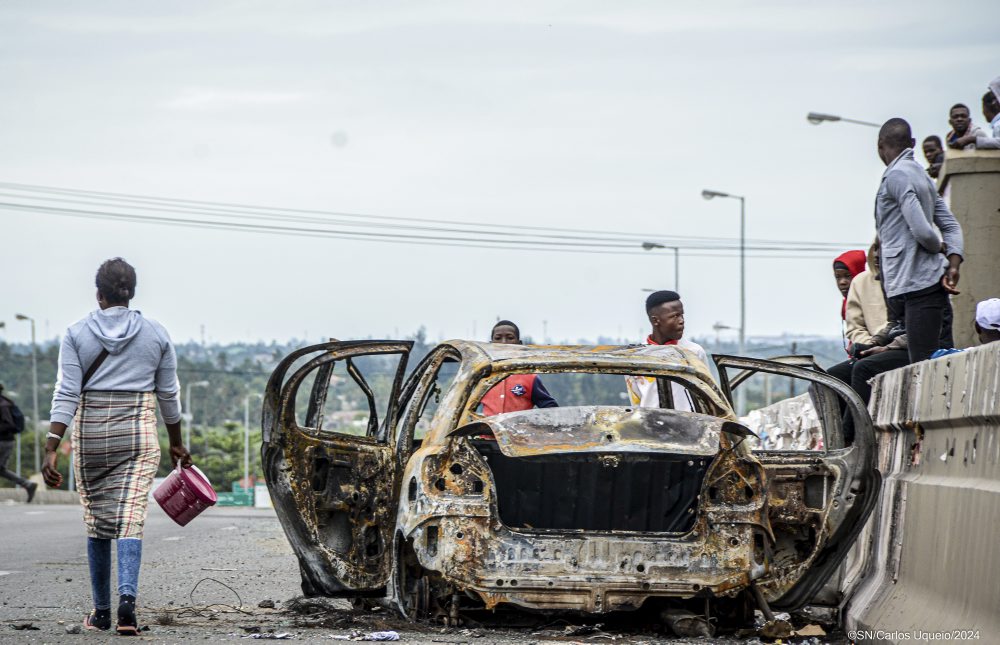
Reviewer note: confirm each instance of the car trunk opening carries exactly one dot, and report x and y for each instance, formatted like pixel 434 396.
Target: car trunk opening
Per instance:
pixel 597 468
pixel 596 492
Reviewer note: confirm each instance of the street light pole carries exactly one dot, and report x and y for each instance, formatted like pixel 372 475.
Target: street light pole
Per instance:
pixel 649 246
pixel 710 194
pixel 817 118
pixel 246 437
pixel 36 422
pixel 187 408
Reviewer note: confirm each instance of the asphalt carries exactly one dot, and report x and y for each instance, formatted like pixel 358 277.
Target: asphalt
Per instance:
pixel 183 595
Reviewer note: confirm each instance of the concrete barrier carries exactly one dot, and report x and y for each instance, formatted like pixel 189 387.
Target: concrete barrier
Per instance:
pixel 971 183
pixel 933 562
pixel 41 496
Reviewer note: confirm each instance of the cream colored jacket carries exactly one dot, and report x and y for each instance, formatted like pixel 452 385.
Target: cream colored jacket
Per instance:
pixel 866 311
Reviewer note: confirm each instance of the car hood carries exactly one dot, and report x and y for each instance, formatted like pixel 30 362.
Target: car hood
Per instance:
pixel 600 429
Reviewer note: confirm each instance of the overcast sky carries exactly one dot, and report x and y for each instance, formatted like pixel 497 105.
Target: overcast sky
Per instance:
pixel 602 115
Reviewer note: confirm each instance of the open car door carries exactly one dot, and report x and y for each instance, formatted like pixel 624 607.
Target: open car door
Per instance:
pixel 820 489
pixel 330 461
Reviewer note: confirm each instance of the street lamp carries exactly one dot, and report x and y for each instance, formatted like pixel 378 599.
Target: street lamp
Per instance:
pixel 246 436
pixel 649 246
pixel 818 117
pixel 187 408
pixel 717 327
pixel 712 194
pixel 34 392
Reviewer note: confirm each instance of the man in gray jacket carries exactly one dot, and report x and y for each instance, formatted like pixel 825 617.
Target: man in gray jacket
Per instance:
pixel 919 268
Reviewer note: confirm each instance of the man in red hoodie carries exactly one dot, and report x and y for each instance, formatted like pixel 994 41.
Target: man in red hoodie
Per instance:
pixel 518 391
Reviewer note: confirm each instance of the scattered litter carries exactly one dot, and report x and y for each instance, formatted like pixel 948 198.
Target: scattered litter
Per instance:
pixel 582 630
pixel 776 629
pixel 73 629
pixel 810 630
pixel 473 633
pixel 267 603
pixel 686 624
pixel 318 605
pixel 357 635
pixel 270 636
pixel 165 618
pixel 21 627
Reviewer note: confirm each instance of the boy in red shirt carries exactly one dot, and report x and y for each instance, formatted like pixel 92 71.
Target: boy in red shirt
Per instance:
pixel 517 391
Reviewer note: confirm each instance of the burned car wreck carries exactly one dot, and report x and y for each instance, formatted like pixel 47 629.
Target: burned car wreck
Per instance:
pixel 402 489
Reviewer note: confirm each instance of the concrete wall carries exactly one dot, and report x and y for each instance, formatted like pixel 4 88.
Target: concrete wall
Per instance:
pixel 971 183
pixel 934 547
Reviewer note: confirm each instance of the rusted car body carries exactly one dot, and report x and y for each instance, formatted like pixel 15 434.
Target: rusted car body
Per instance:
pixel 593 508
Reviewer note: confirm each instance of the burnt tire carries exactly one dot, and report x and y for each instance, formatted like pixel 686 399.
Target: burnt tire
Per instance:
pixel 410 586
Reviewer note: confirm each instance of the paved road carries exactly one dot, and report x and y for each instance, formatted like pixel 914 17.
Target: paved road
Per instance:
pixel 44 581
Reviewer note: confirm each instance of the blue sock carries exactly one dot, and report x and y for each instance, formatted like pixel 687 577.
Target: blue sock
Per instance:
pixel 99 556
pixel 129 559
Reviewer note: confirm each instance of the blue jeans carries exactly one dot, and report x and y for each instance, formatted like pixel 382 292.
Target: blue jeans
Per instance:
pixel 129 559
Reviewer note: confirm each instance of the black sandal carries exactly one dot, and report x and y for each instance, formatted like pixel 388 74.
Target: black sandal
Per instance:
pixel 127 624
pixel 96 620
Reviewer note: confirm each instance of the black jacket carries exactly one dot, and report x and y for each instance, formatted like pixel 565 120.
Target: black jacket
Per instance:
pixel 11 419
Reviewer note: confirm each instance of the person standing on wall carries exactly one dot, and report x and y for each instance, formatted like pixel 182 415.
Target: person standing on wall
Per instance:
pixel 12 424
pixel 114 365
pixel 920 266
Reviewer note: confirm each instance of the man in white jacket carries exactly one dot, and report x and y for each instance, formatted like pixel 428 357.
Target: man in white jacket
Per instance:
pixel 666 315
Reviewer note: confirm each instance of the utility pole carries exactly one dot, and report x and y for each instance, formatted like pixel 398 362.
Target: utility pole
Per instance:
pixel 187 409
pixel 246 438
pixel 36 422
pixel 791 381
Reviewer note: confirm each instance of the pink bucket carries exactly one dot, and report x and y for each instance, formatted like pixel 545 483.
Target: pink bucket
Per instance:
pixel 184 494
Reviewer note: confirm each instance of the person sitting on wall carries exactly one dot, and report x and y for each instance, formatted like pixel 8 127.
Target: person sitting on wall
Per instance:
pixel 846 267
pixel 960 120
pixel 518 391
pixel 934 154
pixel 988 321
pixel 666 315
pixel 989 139
pixel 864 311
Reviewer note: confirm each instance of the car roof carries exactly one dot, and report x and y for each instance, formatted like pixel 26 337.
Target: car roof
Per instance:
pixel 513 356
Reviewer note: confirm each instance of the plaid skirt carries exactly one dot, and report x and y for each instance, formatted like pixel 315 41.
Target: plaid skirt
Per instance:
pixel 115 456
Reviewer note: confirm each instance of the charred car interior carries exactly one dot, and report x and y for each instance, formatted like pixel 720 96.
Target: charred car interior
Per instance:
pixel 390 481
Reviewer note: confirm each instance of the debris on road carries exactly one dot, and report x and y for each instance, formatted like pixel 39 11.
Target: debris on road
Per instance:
pixel 370 636
pixel 582 630
pixel 266 604
pixel 271 636
pixel 24 626
pixel 684 623
pixel 73 629
pixel 810 630
pixel 308 606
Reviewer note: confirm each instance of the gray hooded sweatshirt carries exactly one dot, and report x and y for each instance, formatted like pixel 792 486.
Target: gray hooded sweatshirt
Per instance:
pixel 140 358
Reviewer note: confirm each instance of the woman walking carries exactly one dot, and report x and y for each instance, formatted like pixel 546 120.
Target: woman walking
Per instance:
pixel 112 365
